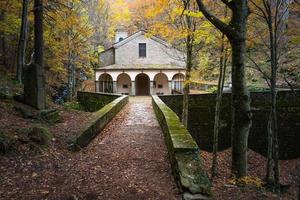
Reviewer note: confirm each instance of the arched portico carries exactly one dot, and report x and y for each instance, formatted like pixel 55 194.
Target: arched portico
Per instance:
pixel 124 84
pixel 177 83
pixel 142 84
pixel 161 84
pixel 105 83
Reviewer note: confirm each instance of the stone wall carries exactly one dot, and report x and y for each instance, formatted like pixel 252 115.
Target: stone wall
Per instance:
pixel 92 102
pixel 100 119
pixel 183 151
pixel 201 121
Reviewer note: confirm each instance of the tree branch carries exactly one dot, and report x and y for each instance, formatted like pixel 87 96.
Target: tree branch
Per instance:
pixel 223 27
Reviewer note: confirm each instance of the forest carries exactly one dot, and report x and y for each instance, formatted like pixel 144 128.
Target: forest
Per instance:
pixel 50 51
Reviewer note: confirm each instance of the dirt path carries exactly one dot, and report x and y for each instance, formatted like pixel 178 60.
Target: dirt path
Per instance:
pixel 129 160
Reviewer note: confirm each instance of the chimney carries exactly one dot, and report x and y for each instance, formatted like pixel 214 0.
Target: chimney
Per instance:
pixel 120 35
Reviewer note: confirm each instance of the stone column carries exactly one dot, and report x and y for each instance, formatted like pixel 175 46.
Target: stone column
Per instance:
pixel 151 88
pixel 97 89
pixel 170 87
pixel 133 88
pixel 114 86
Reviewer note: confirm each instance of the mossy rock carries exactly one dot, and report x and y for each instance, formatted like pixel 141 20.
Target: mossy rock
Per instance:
pixel 40 135
pixel 192 176
pixel 25 112
pixel 4 143
pixel 50 116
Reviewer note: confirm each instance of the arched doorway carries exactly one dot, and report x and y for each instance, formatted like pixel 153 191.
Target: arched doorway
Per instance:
pixel 161 84
pixel 142 84
pixel 124 84
pixel 177 83
pixel 106 83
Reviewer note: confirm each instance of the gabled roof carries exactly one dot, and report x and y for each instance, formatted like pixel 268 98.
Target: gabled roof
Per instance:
pixel 142 67
pixel 137 34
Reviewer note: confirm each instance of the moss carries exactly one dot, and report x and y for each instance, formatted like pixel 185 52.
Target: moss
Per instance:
pixel 191 173
pixel 40 134
pixel 73 105
pixel 183 151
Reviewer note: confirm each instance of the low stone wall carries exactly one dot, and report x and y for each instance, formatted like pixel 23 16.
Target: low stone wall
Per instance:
pixel 91 101
pixel 201 121
pixel 183 151
pixel 100 119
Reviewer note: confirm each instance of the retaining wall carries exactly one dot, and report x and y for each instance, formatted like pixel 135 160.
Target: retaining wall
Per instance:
pixel 183 151
pixel 100 119
pixel 93 101
pixel 201 121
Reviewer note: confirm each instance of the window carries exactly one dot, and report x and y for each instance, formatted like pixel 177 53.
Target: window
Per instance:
pixel 160 86
pixel 125 86
pixel 142 50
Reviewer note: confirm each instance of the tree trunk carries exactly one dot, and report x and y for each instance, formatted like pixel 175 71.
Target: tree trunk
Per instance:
pixel 34 82
pixel 186 88
pixel 22 41
pixel 240 103
pixel 222 72
pixel 189 52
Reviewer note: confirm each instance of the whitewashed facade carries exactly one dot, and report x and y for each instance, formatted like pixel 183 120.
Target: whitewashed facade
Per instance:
pixel 140 65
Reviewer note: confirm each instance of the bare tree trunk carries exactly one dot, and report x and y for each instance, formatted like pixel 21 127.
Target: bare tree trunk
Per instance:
pixel 222 72
pixel 189 63
pixel 34 81
pixel 22 41
pixel 186 88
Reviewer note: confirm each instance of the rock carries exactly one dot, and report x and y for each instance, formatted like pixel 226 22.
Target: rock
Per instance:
pixel 51 116
pixel 25 113
pixel 189 196
pixel 40 135
pixel 19 97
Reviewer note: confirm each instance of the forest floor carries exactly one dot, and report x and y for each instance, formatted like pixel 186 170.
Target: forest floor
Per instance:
pixel 127 161
pixel 226 188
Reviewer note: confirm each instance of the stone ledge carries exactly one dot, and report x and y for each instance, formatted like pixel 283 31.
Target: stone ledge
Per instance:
pixel 100 119
pixel 183 151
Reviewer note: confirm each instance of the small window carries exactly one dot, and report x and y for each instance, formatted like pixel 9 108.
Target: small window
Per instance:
pixel 160 86
pixel 125 86
pixel 142 50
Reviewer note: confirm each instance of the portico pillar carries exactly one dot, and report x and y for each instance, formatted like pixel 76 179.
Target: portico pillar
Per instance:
pixel 114 86
pixel 170 87
pixel 133 88
pixel 97 88
pixel 151 88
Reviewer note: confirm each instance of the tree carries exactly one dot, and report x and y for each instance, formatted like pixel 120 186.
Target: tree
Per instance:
pixel 273 15
pixel 22 41
pixel 236 31
pixel 34 82
pixel 221 81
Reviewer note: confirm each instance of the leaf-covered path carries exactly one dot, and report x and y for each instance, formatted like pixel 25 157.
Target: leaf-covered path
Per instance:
pixel 128 161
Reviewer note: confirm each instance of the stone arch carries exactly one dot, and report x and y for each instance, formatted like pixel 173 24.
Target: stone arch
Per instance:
pixel 177 83
pixel 105 83
pixel 124 84
pixel 161 84
pixel 142 84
